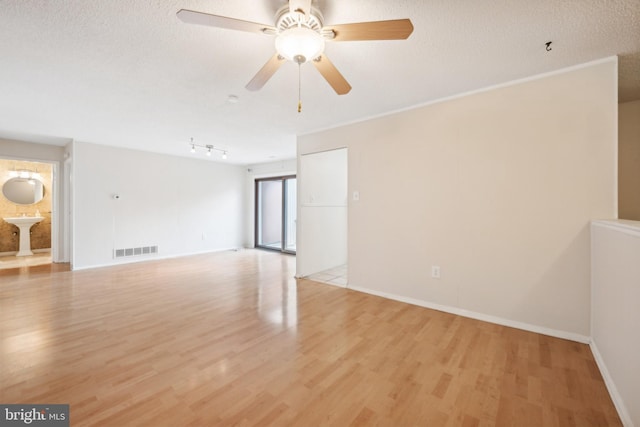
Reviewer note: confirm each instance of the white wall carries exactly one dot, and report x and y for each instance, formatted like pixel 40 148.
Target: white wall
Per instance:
pixel 184 206
pixel 253 172
pixel 616 311
pixel 497 188
pixel 629 160
pixel 52 154
pixel 322 212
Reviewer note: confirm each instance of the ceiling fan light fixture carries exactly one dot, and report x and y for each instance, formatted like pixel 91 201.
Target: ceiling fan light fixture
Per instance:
pixel 299 44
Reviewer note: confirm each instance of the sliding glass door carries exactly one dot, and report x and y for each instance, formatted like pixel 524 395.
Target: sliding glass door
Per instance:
pixel 276 213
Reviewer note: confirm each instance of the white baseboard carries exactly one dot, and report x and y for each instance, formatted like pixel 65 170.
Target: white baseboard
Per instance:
pixel 150 257
pixel 611 387
pixel 480 316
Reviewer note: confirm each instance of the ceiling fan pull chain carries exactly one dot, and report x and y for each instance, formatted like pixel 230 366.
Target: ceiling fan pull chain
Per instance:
pixel 299 88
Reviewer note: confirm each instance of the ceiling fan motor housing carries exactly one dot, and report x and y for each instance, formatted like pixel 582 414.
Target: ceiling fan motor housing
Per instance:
pixel 299 36
pixel 285 19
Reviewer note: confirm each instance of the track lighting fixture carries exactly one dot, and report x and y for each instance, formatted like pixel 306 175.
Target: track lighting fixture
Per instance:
pixel 210 149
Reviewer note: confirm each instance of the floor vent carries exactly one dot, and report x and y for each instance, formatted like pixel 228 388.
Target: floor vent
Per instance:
pixel 144 250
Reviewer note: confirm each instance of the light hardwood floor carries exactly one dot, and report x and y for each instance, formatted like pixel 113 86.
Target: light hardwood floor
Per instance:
pixel 13 261
pixel 231 339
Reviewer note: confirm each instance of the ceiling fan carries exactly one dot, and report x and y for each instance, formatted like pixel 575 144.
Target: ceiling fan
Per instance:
pixel 300 37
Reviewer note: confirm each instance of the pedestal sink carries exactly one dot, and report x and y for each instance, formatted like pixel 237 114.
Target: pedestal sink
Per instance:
pixel 24 223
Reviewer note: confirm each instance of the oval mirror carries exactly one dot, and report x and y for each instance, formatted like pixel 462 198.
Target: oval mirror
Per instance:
pixel 23 191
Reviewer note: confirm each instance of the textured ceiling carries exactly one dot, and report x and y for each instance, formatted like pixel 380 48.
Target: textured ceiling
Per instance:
pixel 129 73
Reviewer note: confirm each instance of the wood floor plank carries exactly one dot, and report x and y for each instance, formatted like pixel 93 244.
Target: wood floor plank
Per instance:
pixel 233 339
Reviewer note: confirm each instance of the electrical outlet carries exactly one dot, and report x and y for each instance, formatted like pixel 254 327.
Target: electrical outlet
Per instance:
pixel 435 271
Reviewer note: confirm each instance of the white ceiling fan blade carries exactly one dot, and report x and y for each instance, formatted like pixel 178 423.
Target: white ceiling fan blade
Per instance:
pixel 303 6
pixel 265 73
pixel 193 17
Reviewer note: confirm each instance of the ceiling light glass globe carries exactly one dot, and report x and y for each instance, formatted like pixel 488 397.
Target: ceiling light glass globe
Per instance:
pixel 299 44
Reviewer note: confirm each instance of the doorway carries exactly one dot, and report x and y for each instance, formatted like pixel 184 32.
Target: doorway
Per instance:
pixel 28 190
pixel 324 216
pixel 276 214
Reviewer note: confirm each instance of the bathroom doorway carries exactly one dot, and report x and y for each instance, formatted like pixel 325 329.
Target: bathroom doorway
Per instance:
pixel 276 215
pixel 27 191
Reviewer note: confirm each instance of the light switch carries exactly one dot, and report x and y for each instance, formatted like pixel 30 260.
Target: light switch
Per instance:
pixel 356 196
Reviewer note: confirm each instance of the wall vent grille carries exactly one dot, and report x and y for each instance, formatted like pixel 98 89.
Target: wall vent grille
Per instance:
pixel 127 252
